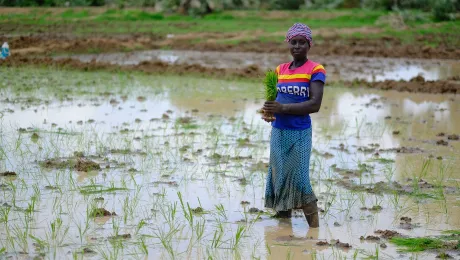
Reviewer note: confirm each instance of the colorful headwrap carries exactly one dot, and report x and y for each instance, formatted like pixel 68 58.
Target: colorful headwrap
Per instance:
pixel 299 29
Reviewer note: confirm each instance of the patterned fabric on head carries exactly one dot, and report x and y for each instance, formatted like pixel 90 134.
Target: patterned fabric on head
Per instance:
pixel 299 29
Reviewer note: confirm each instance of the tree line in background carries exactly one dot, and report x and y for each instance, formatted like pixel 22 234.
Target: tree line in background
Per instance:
pixel 442 9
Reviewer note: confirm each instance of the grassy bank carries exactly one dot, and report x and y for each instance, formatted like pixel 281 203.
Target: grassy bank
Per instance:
pixel 251 25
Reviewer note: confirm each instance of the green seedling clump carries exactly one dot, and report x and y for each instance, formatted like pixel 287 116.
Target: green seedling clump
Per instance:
pixel 417 244
pixel 270 82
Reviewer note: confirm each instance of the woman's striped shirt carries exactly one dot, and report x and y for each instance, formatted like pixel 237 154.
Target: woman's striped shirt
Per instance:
pixel 293 87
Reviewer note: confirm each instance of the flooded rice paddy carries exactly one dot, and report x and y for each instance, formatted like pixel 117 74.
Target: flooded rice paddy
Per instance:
pixel 129 166
pixel 339 67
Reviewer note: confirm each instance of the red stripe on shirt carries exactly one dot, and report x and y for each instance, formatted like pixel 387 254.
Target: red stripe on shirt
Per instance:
pixel 292 80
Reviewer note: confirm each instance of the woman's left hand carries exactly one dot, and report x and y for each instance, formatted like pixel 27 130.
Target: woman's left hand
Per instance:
pixel 273 107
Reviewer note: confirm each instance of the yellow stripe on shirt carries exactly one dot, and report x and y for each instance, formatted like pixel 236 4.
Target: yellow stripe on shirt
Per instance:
pixel 295 76
pixel 319 67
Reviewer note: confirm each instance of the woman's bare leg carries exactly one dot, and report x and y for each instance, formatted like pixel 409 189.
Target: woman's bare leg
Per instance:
pixel 311 214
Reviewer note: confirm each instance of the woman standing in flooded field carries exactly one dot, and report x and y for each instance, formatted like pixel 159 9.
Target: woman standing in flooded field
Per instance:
pixel 300 92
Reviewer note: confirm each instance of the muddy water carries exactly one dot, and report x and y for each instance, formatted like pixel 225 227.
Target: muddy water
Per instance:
pixel 135 125
pixel 339 67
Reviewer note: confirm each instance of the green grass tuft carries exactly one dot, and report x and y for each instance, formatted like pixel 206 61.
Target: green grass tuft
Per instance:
pixel 417 244
pixel 71 14
pixel 96 189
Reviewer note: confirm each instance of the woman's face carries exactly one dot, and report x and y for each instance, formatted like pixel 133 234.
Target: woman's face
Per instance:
pixel 299 47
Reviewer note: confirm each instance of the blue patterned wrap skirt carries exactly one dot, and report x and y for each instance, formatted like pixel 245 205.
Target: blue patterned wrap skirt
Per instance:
pixel 288 180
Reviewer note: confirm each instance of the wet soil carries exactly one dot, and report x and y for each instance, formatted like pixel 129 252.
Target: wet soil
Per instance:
pixel 79 164
pixel 417 84
pixel 8 173
pixel 387 234
pixel 101 212
pixel 416 188
pixel 444 256
pixel 370 238
pixel 87 250
pixel 49 44
pixel 251 72
pixel 123 236
pixel 145 67
pixel 198 210
pixel 330 45
pixel 345 68
pixel 406 223
pixel 255 211
pixel 453 137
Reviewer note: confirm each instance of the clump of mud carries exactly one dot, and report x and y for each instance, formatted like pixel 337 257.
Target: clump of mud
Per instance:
pixel 8 173
pixel 198 210
pixel 444 256
pixel 86 166
pixel 442 142
pixel 255 211
pixel 335 243
pixel 451 244
pixel 370 238
pixel 170 183
pixel 323 243
pixel 387 234
pixel 406 223
pixel 123 236
pixel 453 137
pixel 403 149
pixel 88 250
pixel 419 187
pixel 79 164
pixel 101 212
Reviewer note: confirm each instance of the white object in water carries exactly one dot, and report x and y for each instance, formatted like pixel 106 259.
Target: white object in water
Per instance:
pixel 5 50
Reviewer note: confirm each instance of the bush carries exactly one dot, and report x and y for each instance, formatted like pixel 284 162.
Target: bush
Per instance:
pixel 286 4
pixel 444 10
pixel 51 2
pixel 97 2
pixel 327 4
pixel 378 4
pixel 425 5
pixel 350 4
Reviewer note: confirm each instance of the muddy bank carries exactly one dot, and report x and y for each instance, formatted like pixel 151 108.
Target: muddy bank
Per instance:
pixel 345 68
pixel 418 84
pixel 49 44
pixel 145 67
pixel 382 47
pixel 329 45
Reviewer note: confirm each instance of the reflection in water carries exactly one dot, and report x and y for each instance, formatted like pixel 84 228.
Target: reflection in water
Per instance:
pixel 282 242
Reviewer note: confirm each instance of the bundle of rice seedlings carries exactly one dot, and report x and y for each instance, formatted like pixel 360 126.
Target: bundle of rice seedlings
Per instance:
pixel 270 82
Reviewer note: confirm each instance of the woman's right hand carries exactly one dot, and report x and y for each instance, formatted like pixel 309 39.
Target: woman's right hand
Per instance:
pixel 265 117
